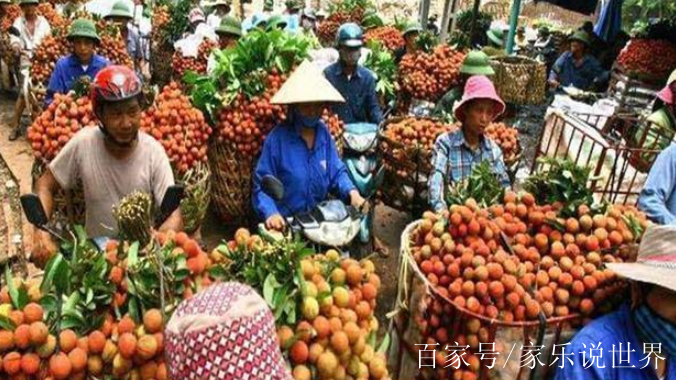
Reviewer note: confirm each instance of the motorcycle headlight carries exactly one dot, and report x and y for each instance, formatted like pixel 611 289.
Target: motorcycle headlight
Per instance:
pixel 361 142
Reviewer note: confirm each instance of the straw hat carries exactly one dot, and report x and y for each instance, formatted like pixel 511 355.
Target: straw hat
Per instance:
pixel 307 85
pixel 225 332
pixel 656 262
pixel 478 87
pixel 665 94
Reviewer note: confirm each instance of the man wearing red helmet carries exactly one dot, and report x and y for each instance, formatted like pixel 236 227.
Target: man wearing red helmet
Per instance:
pixel 112 160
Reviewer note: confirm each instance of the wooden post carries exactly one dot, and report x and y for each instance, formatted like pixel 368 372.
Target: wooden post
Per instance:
pixel 454 8
pixel 444 19
pixel 424 13
pixel 475 13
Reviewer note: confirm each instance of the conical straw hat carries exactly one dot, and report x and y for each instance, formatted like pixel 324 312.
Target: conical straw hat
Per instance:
pixel 307 85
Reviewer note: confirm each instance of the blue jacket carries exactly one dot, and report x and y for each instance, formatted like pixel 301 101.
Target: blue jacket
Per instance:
pixel 361 104
pixel 606 331
pixel 308 175
pixel 67 70
pixel 567 73
pixel 658 197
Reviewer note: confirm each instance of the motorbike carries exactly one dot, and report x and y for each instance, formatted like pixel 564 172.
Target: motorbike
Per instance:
pixel 366 171
pixel 36 215
pixel 331 223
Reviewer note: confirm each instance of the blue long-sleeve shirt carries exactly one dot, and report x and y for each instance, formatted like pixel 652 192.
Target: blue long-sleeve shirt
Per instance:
pixel 68 69
pixel 308 175
pixel 612 329
pixel 658 197
pixel 568 73
pixel 361 103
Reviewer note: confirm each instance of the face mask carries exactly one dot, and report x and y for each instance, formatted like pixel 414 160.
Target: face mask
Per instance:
pixel 654 329
pixel 306 121
pixel 351 57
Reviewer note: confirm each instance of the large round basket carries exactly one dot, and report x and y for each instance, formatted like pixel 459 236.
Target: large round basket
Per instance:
pixel 231 182
pixel 520 80
pixel 69 205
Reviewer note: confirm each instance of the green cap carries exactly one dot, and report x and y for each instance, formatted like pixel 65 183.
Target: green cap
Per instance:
pixel 476 62
pixel 120 9
pixel 230 25
pixel 83 27
pixel 293 4
pixel 276 22
pixel 413 27
pixel 268 5
pixel 29 2
pixel 495 35
pixel 580 36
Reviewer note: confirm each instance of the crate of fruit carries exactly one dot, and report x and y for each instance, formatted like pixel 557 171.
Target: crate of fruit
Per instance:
pixel 406 145
pixel 501 277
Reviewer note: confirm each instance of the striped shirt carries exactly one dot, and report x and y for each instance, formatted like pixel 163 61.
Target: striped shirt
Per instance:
pixel 453 160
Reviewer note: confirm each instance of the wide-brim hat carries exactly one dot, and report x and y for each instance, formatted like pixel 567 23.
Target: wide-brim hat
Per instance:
pixel 196 15
pixel 83 28
pixel 222 2
pixel 230 25
pixel 276 21
pixel 309 13
pixel 120 9
pixel 307 84
pixel 665 94
pixel 413 28
pixel 478 87
pixel 293 4
pixel 580 36
pixel 29 2
pixel 476 62
pixel 656 261
pixel 268 5
pixel 495 35
pixel 225 331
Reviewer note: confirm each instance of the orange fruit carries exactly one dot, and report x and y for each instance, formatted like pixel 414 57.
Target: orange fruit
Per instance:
pixel 6 340
pixel 299 352
pixel 67 340
pixel 340 342
pixel 126 325
pixel 152 321
pixel 39 333
pixel 60 366
pixel 78 359
pixel 146 347
pixel 22 337
pixel 32 313
pixel 97 341
pixel 127 345
pixel 11 363
pixel 30 364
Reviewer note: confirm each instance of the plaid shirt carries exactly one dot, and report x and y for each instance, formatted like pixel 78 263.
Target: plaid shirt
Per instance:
pixel 453 160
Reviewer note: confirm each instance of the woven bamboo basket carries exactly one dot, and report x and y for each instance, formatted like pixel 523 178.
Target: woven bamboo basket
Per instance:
pixel 160 63
pixel 69 205
pixel 231 182
pixel 520 80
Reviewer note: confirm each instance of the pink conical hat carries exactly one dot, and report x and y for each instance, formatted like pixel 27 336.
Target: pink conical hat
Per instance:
pixel 479 87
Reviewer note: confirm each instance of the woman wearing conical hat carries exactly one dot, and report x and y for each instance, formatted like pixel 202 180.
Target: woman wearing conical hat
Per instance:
pixel 301 153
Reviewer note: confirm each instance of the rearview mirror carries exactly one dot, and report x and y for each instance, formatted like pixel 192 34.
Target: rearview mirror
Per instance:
pixel 273 187
pixel 32 208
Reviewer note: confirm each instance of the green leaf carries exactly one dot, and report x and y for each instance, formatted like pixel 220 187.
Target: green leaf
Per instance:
pixel 132 257
pixel 19 297
pixel 269 288
pixel 61 277
pixel 50 272
pixel 384 344
pixel 7 323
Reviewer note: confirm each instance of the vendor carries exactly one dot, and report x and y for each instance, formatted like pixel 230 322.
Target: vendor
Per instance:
pixel 293 8
pixel 229 32
pixel 411 34
pixel 496 42
pixel 520 40
pixel 32 28
pixel 457 153
pixel 276 22
pixel 120 15
pixel 221 9
pixel 577 67
pixel 195 18
pixel 111 161
pixel 355 83
pixel 257 18
pixel 648 319
pixel 224 332
pixel 308 21
pixel 301 153
pixel 476 62
pixel 83 61
pixel 658 197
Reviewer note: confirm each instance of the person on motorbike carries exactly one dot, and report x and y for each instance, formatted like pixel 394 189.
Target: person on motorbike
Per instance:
pixel 577 67
pixel 301 153
pixel 120 15
pixel 355 83
pixel 226 332
pixel 111 160
pixel 456 153
pixel 32 28
pixel 83 61
pixel 229 32
pixel 411 34
pixel 476 62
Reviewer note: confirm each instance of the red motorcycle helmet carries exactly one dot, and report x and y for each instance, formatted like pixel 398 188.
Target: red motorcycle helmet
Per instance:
pixel 115 84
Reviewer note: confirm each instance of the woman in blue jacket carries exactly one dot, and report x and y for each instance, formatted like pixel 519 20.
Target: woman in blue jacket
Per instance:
pixel 301 153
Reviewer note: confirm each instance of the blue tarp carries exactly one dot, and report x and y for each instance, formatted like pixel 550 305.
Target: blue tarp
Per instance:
pixel 610 20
